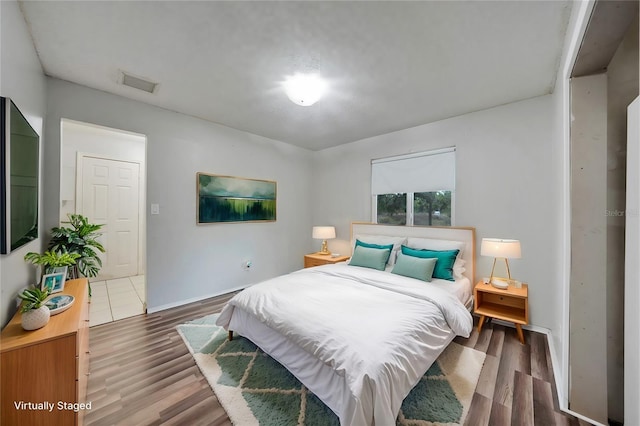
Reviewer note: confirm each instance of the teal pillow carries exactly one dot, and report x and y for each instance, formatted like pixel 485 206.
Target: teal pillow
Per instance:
pixel 376 246
pixel 369 257
pixel 444 265
pixel 414 267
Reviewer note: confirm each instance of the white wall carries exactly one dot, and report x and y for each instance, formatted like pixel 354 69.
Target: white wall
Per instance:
pixel 505 187
pixel 23 81
pixel 184 261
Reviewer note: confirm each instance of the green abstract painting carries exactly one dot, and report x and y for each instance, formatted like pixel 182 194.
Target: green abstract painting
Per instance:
pixel 234 199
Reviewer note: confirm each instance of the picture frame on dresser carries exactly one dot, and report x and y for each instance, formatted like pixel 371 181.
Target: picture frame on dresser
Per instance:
pixel 53 283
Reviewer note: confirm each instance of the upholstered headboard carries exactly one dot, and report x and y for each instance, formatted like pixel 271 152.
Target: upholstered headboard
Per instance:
pixel 467 235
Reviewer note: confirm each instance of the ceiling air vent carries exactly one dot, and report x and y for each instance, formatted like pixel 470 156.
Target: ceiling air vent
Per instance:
pixel 138 83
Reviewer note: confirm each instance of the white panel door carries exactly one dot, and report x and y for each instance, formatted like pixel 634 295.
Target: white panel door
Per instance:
pixel 110 196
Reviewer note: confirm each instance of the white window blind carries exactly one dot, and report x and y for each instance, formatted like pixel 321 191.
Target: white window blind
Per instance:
pixel 421 172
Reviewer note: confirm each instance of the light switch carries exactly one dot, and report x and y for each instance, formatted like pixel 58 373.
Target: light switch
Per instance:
pixel 155 208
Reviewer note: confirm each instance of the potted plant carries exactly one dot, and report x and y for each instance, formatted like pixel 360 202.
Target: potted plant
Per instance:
pixel 80 239
pixel 51 261
pixel 35 314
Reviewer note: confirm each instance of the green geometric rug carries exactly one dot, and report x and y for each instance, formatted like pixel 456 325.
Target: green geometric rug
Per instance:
pixel 256 390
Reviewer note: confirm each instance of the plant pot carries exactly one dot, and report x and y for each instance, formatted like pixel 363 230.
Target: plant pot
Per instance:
pixel 35 318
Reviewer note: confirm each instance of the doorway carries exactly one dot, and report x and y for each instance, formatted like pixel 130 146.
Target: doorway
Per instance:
pixel 103 178
pixel 604 81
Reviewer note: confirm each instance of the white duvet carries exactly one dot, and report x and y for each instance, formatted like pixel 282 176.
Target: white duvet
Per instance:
pixel 380 331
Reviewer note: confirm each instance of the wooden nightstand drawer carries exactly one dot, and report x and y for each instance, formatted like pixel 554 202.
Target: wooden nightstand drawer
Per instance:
pixel 502 300
pixel 314 259
pixel 309 262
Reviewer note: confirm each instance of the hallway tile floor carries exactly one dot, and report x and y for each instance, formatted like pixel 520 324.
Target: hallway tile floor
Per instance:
pixel 112 300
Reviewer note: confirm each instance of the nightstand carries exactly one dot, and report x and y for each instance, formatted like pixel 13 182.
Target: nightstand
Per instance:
pixel 315 259
pixel 510 305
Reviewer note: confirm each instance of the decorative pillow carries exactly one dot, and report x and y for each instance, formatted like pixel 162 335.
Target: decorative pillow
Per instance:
pixel 368 257
pixel 444 265
pixel 376 246
pixel 383 240
pixel 438 245
pixel 414 267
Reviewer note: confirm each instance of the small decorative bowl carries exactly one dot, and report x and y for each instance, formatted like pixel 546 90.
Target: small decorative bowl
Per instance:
pixel 59 303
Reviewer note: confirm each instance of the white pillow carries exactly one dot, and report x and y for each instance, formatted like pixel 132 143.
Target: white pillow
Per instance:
pixel 458 268
pixel 434 244
pixel 382 240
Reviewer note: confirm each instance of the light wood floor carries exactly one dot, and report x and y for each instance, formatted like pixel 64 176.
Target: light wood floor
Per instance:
pixel 143 374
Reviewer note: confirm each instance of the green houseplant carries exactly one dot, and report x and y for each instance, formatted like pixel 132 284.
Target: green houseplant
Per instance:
pixel 51 260
pixel 80 239
pixel 35 314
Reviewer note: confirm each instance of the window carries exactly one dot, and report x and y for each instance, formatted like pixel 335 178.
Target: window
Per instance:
pixel 432 208
pixel 392 209
pixel 414 189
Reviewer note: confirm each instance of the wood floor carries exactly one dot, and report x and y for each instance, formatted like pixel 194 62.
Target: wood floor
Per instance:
pixel 516 385
pixel 143 374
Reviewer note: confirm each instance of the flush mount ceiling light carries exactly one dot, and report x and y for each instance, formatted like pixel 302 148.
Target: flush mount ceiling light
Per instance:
pixel 304 89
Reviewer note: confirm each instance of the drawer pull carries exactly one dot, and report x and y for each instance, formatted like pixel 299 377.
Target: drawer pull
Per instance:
pixel 87 374
pixel 87 320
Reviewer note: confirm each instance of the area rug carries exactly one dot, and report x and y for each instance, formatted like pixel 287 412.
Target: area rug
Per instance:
pixel 256 390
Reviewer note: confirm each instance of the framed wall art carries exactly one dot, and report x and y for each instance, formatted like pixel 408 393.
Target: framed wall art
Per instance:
pixel 234 199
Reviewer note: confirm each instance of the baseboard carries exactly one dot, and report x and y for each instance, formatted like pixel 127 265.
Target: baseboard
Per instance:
pixel 154 309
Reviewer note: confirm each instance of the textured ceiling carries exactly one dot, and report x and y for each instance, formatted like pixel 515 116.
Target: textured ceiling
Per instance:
pixel 390 65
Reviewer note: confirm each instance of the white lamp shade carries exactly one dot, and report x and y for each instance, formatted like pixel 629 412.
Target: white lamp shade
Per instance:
pixel 495 247
pixel 323 232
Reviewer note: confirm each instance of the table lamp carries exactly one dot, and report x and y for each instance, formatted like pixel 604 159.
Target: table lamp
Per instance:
pixel 323 233
pixel 503 249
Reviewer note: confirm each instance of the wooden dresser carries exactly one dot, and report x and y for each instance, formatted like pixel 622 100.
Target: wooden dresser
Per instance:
pixel 49 365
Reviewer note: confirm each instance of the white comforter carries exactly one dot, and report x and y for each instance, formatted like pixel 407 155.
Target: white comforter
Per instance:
pixel 379 330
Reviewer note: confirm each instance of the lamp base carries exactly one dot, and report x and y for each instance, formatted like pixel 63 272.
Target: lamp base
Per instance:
pixel 324 250
pixel 502 285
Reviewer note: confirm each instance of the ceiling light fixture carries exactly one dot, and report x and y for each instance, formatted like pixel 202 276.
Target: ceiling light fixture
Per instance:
pixel 304 89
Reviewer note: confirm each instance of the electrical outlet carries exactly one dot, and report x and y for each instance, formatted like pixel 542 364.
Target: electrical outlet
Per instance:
pixel 155 208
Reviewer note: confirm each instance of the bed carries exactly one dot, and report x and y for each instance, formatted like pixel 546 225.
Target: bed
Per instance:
pixel 357 337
